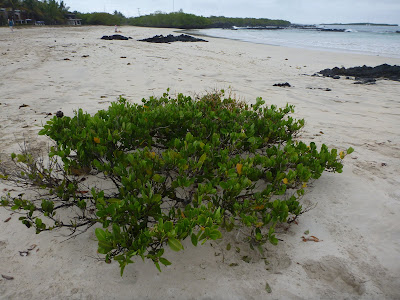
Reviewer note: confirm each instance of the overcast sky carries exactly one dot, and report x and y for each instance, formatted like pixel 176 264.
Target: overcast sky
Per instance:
pixel 295 11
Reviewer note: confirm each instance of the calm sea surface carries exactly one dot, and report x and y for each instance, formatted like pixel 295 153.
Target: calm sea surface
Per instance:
pixel 373 40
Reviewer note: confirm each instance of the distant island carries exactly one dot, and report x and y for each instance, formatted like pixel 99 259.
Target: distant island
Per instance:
pixel 364 24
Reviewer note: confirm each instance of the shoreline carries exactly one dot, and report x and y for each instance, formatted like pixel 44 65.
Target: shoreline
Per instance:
pixel 356 214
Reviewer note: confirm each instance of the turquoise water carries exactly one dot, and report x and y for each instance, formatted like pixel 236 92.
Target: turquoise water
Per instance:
pixel 372 40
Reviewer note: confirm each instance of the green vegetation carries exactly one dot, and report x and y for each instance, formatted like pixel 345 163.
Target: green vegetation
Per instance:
pixel 190 21
pixel 176 20
pixel 157 173
pixel 49 11
pixel 171 20
pixel 102 18
pixel 224 22
pixel 54 12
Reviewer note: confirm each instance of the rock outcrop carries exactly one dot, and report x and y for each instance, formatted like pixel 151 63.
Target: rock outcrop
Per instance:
pixel 171 38
pixel 365 74
pixel 115 37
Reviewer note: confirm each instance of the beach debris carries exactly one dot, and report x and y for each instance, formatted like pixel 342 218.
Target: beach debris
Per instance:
pixel 123 57
pixel 171 38
pixel 23 105
pixel 82 192
pixel 8 219
pixel 311 239
pixel 59 114
pixel 33 246
pixel 80 171
pixel 27 251
pixel 233 265
pixel 7 277
pixel 115 37
pixel 268 288
pixel 285 84
pixel 322 89
pixel 364 74
pixel 85 55
pixel 66 59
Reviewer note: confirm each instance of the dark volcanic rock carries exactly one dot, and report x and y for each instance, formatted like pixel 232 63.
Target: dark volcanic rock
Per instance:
pixel 333 30
pixel 364 72
pixel 115 37
pixel 286 84
pixel 59 114
pixel 170 38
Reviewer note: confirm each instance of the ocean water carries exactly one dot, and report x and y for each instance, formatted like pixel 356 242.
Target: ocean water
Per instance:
pixel 372 40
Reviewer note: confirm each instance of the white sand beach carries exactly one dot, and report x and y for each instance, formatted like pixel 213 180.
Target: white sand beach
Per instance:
pixel 357 213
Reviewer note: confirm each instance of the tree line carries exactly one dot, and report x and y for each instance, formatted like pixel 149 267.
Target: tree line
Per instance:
pixel 50 11
pixel 177 20
pixel 54 12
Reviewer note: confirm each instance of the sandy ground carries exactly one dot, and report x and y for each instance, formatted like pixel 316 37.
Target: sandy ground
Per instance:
pixel 357 212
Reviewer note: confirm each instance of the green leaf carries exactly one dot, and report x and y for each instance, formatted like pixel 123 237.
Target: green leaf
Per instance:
pixel 202 159
pixel 168 226
pixel 268 288
pixel 157 178
pixel 215 234
pixel 164 261
pixel 228 247
pixel 350 150
pixel 122 265
pixel 100 234
pixel 194 239
pixel 158 266
pixel 105 247
pixel 174 244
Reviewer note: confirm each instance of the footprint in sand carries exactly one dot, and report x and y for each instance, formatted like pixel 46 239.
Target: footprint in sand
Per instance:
pixel 335 273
